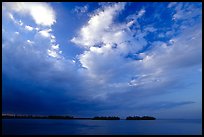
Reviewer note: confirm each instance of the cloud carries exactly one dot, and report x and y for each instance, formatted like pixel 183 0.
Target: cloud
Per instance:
pixel 141 13
pixel 97 26
pixel 42 13
pixel 171 4
pixel 108 46
pixel 30 42
pixel 118 69
pixel 133 18
pixel 164 105
pixel 106 57
pixel 11 16
pixel 81 10
pixel 45 33
pixel 29 28
pixel 54 51
pixel 18 22
pixel 184 11
pixel 164 55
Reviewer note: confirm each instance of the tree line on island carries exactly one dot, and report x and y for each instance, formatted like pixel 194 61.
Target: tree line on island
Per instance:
pixel 127 118
pixel 140 118
pixel 36 116
pixel 10 116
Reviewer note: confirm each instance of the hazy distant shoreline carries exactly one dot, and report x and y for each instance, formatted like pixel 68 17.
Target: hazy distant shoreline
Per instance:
pixel 14 116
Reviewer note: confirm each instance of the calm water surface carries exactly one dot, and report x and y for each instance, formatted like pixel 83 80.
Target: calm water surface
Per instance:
pixel 103 127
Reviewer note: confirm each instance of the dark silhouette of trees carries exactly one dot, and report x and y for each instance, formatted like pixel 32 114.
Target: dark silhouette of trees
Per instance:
pixel 106 118
pixel 140 118
pixel 9 116
pixel 60 117
pixel 37 117
pixel 133 118
pixel 148 118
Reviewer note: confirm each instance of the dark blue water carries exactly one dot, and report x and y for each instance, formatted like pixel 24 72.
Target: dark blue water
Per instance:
pixel 101 127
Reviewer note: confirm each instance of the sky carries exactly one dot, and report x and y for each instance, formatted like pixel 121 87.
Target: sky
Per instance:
pixel 90 59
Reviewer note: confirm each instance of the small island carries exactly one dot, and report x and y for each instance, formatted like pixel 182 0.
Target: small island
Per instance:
pixel 140 118
pixel 14 116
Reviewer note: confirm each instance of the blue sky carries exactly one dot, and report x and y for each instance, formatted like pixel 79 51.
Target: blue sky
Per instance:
pixel 88 59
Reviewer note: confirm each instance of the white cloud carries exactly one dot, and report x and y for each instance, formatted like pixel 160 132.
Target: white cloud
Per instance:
pixel 106 61
pixel 52 36
pixel 30 42
pixel 52 53
pixel 42 13
pixel 29 28
pixel 56 47
pixel 97 26
pixel 11 16
pixel 42 35
pixel 20 23
pixel 37 28
pixel 130 23
pixel 108 44
pixel 46 32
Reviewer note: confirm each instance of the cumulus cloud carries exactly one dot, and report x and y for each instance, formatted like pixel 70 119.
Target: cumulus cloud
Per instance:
pixel 97 26
pixel 106 57
pixel 42 37
pixel 29 28
pixel 42 13
pixel 108 44
pixel 54 51
pixel 45 33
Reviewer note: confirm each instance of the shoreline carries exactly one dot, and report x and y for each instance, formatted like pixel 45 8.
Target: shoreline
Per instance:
pixel 14 116
pixel 77 119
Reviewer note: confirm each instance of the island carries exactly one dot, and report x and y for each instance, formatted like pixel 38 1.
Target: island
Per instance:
pixel 140 118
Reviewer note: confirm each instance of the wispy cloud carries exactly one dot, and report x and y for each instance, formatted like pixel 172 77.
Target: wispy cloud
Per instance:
pixel 164 105
pixel 81 9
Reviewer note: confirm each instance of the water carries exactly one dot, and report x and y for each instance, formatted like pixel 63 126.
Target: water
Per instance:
pixel 101 127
